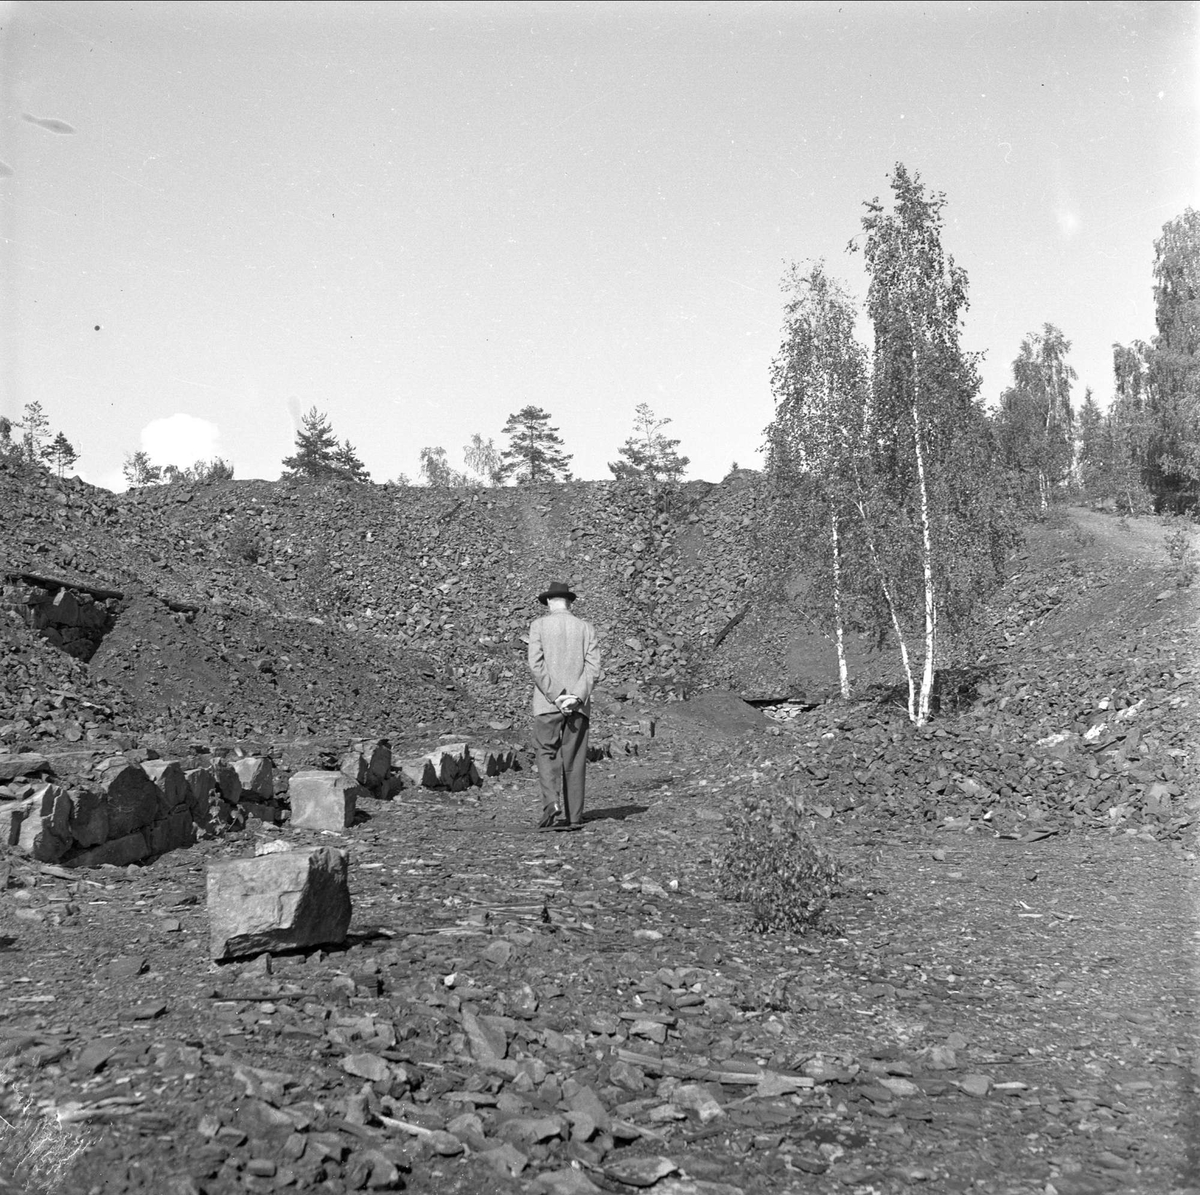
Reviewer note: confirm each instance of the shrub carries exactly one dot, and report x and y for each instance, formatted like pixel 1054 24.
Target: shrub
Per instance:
pixel 36 1151
pixel 774 864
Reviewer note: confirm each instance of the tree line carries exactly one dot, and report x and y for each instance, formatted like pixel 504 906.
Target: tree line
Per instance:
pixel 534 454
pixel 896 486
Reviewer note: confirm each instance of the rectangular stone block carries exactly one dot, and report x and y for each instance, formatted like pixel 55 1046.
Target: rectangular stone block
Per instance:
pixel 323 800
pixel 132 798
pixel 257 774
pixel 171 833
pixel 278 902
pixel 119 852
pixel 202 788
pixel 353 765
pixel 420 773
pixel 44 830
pixel 88 824
pixel 228 782
pixel 167 776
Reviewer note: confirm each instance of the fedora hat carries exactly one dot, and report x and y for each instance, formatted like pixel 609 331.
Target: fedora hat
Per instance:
pixel 557 589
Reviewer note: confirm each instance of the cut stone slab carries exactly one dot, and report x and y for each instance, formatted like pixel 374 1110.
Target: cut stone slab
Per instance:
pixel 168 778
pixel 119 852
pixel 323 800
pixel 88 825
pixel 132 798
pixel 12 766
pixel 278 902
pixel 44 830
pixel 257 774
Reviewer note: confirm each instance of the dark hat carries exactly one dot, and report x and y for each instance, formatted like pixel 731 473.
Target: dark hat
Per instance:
pixel 557 589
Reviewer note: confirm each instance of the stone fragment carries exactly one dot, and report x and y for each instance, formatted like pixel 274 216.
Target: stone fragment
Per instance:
pixel 563 1182
pixel 44 832
pixel 116 852
pixel 354 766
pixel 323 800
pixel 88 824
pixel 278 901
pixel 257 775
pixel 367 1066
pixel 27 764
pixel 530 1130
pixel 699 1098
pixel 167 776
pixel 975 1084
pixel 587 1103
pixel 640 1172
pixel 131 795
pixel 507 1160
pixel 379 766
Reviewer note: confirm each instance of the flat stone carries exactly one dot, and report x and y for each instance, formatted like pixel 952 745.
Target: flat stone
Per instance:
pixel 278 902
pixel 117 852
pixel 25 764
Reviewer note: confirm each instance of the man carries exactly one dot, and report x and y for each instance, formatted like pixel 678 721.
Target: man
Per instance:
pixel 564 659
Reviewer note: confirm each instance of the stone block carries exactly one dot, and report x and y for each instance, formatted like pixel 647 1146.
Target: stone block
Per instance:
pixel 323 800
pixel 379 767
pixel 172 832
pixel 171 783
pixel 202 790
pixel 27 764
pixel 119 852
pixel 64 609
pixel 278 902
pixel 420 773
pixel 228 781
pixel 257 774
pixel 262 810
pixel 132 798
pixel 44 832
pixel 354 766
pixel 452 762
pixel 88 824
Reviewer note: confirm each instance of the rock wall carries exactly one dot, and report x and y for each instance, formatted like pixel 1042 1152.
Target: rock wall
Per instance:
pixel 67 616
pixel 127 810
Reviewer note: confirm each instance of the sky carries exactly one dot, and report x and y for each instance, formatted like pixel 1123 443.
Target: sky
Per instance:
pixel 420 218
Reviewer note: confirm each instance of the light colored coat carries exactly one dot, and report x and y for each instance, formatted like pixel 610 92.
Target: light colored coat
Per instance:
pixel 564 657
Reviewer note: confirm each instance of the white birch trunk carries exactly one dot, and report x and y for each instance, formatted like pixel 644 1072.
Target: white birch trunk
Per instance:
pixel 927 679
pixel 905 659
pixel 843 671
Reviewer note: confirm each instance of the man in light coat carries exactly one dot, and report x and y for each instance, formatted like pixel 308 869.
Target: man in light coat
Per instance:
pixel 564 660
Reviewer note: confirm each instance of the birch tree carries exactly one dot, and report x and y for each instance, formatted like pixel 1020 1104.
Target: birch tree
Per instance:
pixel 819 381
pixel 936 528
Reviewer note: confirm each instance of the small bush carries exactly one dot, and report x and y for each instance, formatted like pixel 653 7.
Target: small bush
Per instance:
pixel 774 864
pixel 37 1152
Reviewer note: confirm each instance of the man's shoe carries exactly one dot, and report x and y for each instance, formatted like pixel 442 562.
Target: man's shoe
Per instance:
pixel 549 820
pixel 569 826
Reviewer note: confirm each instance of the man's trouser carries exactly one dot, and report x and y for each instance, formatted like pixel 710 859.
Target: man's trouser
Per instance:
pixel 561 745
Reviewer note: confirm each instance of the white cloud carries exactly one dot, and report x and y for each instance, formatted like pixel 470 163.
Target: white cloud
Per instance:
pixel 181 440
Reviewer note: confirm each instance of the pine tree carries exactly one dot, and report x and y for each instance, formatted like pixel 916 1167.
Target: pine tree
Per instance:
pixel 534 453
pixel 648 453
pixel 35 433
pixel 61 454
pixel 347 465
pixel 316 449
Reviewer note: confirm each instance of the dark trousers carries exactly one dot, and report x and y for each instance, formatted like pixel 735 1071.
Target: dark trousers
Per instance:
pixel 561 745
